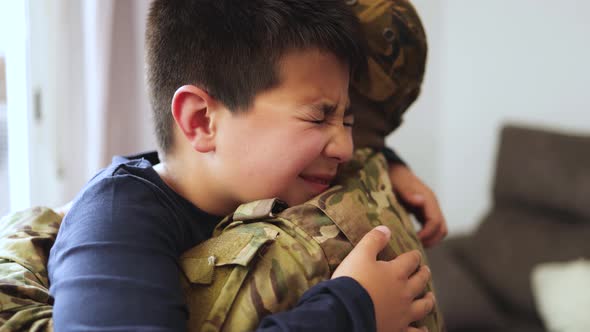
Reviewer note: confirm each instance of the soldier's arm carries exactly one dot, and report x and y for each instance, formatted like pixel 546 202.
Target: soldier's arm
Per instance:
pixel 371 127
pixel 414 194
pixel 421 201
pixel 25 239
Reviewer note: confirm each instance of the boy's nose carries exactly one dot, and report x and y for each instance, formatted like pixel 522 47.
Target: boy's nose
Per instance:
pixel 340 145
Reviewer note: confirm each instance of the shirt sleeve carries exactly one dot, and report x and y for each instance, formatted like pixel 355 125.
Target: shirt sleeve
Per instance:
pixel 113 266
pixel 340 304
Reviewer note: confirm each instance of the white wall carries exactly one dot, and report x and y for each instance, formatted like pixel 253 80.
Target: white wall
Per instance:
pixel 496 61
pixel 417 139
pixel 13 45
pixel 489 62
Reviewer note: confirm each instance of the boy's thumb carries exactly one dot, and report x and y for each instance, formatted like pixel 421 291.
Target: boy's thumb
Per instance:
pixel 374 241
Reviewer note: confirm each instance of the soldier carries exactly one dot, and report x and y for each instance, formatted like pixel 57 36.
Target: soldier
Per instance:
pixel 397 50
pixel 263 258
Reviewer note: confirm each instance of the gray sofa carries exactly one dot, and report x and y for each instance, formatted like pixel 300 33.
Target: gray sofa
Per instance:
pixel 540 213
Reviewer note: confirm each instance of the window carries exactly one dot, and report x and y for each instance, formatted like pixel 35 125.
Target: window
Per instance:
pixel 14 107
pixel 4 198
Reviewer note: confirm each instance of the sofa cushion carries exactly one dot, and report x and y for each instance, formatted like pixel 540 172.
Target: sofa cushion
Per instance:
pixel 511 241
pixel 562 295
pixel 459 295
pixel 544 170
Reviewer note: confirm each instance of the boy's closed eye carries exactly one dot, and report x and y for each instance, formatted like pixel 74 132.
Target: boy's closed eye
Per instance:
pixel 322 113
pixel 324 117
pixel 348 121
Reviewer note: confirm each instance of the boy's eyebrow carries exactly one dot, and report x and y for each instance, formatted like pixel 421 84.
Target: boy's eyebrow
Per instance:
pixel 330 108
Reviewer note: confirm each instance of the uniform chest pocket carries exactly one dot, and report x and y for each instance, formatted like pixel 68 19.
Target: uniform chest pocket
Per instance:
pixel 215 270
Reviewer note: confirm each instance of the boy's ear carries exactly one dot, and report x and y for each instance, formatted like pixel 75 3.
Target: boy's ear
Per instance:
pixel 192 109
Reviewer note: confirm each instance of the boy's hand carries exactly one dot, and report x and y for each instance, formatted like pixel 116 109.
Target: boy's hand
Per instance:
pixel 421 202
pixel 393 286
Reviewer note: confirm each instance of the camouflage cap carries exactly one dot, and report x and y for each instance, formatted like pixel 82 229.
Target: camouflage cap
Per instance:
pixel 397 52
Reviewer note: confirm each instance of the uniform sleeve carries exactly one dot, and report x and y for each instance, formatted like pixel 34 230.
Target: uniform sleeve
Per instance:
pixel 113 267
pixel 340 304
pixel 392 157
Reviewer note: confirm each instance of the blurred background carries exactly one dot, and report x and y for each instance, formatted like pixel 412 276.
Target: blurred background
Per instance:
pixel 72 93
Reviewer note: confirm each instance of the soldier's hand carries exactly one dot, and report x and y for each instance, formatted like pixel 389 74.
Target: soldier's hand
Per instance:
pixel 393 285
pixel 420 201
pixel 62 210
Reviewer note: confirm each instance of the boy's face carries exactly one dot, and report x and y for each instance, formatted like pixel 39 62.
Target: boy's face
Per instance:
pixel 290 142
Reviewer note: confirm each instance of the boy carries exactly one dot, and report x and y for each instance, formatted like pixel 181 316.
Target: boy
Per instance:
pixel 250 83
pixel 264 256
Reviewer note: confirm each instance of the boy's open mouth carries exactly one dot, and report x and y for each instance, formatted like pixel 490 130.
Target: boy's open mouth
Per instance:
pixel 318 183
pixel 318 180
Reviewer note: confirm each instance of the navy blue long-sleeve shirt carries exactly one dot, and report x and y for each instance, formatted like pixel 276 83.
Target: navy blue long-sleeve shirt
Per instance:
pixel 114 263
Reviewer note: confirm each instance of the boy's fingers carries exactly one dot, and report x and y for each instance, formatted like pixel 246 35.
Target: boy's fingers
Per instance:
pixel 422 307
pixel 418 281
pixel 408 263
pixel 374 241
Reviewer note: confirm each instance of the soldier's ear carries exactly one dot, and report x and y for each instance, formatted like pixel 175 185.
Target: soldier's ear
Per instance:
pixel 194 112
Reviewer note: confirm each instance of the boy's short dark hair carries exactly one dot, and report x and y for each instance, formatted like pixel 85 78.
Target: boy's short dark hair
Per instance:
pixel 231 48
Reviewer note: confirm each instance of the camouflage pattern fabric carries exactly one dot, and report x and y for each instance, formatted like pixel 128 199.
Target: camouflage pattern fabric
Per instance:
pixel 26 238
pixel 263 258
pixel 397 50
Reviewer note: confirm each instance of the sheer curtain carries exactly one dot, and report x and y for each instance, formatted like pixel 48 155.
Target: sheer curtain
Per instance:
pixel 91 76
pixel 115 98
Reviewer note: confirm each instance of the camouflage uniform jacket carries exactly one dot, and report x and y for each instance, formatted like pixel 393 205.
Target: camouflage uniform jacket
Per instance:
pixel 25 240
pixel 265 256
